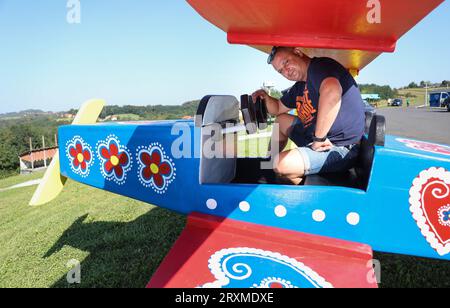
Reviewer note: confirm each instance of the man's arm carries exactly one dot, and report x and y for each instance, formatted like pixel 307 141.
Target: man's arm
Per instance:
pixel 274 106
pixel 329 105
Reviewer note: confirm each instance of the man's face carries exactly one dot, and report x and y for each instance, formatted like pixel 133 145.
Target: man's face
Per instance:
pixel 290 65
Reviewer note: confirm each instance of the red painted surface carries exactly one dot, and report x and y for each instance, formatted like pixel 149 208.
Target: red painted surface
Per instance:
pixel 341 263
pixel 325 24
pixel 39 155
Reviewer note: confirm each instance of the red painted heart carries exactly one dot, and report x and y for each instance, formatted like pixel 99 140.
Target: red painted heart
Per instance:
pixel 430 205
pixel 426 146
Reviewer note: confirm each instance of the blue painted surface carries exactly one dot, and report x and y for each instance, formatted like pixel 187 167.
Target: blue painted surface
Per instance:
pixel 379 216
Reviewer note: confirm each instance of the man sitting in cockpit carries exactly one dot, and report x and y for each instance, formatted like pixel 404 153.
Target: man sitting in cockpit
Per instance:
pixel 330 122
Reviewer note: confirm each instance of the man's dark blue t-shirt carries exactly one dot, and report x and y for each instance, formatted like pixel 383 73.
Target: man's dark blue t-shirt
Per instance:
pixel 348 128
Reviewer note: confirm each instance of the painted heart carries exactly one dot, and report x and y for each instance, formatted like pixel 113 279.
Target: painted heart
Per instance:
pixel 426 146
pixel 430 206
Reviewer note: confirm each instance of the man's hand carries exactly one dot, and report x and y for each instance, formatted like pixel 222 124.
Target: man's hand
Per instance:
pixel 260 94
pixel 322 146
pixel 274 106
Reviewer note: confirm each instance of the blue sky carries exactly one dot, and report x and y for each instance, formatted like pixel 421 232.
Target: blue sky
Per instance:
pixel 145 52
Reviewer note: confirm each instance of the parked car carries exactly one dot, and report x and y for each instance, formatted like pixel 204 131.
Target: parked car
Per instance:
pixel 446 104
pixel 438 99
pixel 398 102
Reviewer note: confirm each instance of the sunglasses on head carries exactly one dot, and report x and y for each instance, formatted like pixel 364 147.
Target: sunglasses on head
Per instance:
pixel 272 55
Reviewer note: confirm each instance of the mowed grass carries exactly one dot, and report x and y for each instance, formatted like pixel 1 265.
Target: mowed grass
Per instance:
pixel 18 179
pixel 121 242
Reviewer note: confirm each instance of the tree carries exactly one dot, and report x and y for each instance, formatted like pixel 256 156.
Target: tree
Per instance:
pixel 413 85
pixel 385 92
pixel 445 83
pixel 424 84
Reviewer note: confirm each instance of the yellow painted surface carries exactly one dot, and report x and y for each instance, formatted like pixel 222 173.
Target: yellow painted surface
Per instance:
pixel 53 182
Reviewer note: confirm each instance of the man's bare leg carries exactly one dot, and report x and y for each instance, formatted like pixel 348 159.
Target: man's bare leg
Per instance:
pixel 290 167
pixel 284 122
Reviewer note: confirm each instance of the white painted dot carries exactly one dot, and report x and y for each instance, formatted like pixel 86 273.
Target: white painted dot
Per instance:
pixel 211 204
pixel 319 215
pixel 353 219
pixel 280 211
pixel 244 206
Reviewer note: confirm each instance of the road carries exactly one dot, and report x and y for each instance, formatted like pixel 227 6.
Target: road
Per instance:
pixel 422 124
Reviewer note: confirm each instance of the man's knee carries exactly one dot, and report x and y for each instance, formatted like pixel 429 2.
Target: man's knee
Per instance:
pixel 280 166
pixel 287 164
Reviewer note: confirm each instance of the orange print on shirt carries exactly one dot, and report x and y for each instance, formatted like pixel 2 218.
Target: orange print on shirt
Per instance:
pixel 305 109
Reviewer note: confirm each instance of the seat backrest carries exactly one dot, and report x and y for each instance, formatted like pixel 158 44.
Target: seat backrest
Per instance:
pixel 369 117
pixel 376 137
pixel 218 155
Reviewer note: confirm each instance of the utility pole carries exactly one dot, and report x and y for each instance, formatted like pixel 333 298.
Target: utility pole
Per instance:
pixel 45 154
pixel 269 85
pixel 427 101
pixel 31 155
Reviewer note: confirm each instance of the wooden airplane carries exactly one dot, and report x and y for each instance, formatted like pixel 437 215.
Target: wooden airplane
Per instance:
pixel 244 230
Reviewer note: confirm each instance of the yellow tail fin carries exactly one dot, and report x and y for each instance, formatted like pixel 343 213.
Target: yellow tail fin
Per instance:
pixel 53 182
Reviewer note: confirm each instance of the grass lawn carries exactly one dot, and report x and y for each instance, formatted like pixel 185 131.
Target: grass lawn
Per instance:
pixel 120 242
pixel 17 179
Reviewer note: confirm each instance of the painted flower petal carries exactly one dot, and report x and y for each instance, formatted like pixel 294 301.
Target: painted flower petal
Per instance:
pixel 159 181
pixel 165 169
pixel 147 173
pixel 113 149
pixel 105 152
pixel 123 159
pixel 73 152
pixel 119 171
pixel 146 159
pixel 76 163
pixel 87 155
pixel 156 157
pixel 108 166
pixel 79 147
pixel 83 165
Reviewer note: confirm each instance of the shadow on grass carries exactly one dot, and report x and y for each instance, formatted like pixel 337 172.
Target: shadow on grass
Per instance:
pixel 121 254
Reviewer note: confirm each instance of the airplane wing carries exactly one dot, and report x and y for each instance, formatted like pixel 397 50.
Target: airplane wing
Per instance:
pixel 215 252
pixel 352 32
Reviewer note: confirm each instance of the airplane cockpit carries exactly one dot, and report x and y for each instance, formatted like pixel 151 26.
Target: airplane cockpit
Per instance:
pixel 222 119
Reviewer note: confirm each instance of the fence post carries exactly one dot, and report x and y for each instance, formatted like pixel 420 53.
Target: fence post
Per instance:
pixel 31 155
pixel 45 153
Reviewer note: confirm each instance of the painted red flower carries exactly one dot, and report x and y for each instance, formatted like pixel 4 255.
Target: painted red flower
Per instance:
pixel 81 156
pixel 116 161
pixel 155 169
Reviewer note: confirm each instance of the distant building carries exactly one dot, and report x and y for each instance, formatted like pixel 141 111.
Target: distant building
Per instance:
pixel 371 97
pixel 68 116
pixel 36 159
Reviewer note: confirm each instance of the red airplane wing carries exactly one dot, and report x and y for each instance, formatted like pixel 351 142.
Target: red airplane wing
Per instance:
pixel 222 253
pixel 347 31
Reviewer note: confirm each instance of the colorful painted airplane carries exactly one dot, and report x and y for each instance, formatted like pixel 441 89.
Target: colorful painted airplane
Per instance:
pixel 244 230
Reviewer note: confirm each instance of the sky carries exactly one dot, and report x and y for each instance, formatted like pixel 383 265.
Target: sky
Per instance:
pixel 146 52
